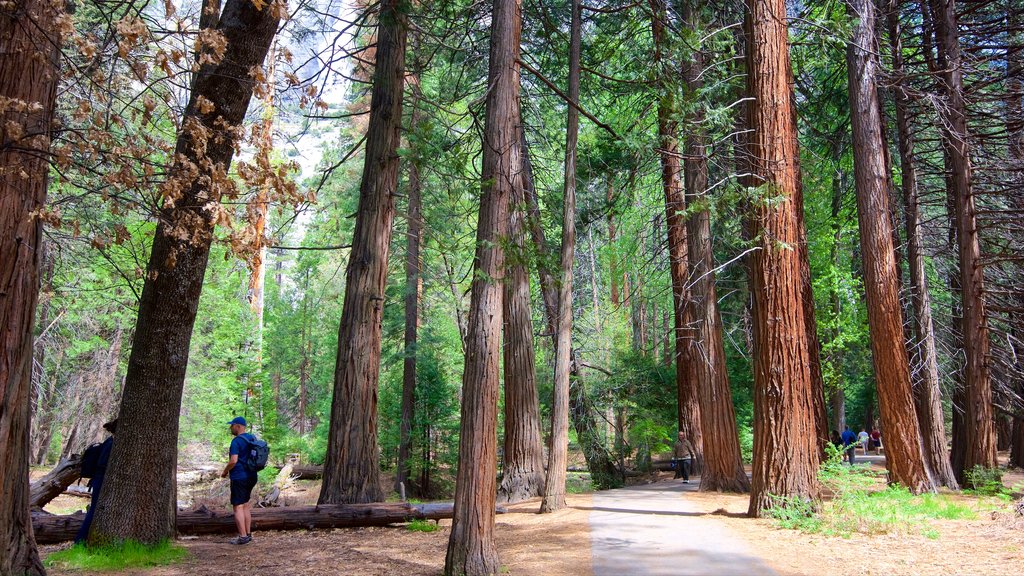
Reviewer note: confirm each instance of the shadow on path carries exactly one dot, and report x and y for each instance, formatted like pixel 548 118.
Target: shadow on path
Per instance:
pixel 653 530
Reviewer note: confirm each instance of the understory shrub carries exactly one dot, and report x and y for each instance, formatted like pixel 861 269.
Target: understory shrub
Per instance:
pixel 127 555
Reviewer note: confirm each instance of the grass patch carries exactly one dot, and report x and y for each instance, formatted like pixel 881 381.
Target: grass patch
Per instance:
pixel 860 507
pixel 113 558
pixel 578 483
pixel 421 526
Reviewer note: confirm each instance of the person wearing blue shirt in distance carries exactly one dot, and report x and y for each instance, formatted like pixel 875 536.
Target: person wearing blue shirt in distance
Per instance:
pixel 242 480
pixel 849 444
pixel 96 482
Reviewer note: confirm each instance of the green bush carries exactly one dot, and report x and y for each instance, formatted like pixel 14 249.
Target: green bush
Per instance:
pixel 421 526
pixel 120 557
pixel 985 481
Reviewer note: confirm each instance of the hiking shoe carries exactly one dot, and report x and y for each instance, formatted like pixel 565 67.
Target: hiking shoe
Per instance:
pixel 240 540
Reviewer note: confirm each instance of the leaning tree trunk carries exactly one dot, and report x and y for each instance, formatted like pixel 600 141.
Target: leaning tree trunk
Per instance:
pixel 687 405
pixel 904 460
pixel 351 469
pixel 558 455
pixel 785 442
pixel 981 438
pixel 413 293
pixel 28 87
pixel 523 471
pixel 471 548
pixel 141 473
pixel 723 461
pixel 927 392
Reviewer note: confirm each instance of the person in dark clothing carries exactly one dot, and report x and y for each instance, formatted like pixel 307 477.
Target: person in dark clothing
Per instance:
pixel 837 440
pixel 242 480
pixel 96 482
pixel 849 444
pixel 682 456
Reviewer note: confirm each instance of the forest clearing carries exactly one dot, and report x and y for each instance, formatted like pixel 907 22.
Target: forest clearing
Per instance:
pixel 502 286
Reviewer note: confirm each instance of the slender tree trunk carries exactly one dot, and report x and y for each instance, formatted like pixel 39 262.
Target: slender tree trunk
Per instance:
pixel 786 452
pixel 723 461
pixel 687 404
pixel 142 464
pixel 523 470
pixel 28 85
pixel 413 294
pixel 471 547
pixel 837 396
pixel 558 455
pixel 927 394
pixel 981 441
pixel 904 459
pixel 351 469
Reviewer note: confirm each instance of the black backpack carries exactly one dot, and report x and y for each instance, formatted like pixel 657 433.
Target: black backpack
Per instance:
pixel 91 460
pixel 255 456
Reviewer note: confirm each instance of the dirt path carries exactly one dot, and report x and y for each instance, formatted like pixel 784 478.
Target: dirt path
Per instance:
pixel 654 530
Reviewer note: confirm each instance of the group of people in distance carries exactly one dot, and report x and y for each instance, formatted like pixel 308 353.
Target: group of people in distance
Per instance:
pixel 243 478
pixel 848 442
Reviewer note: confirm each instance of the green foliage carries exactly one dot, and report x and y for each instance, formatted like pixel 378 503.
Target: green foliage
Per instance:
pixel 985 481
pixel 421 526
pixel 129 555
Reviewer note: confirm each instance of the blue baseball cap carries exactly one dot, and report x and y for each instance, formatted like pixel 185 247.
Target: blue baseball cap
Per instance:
pixel 239 420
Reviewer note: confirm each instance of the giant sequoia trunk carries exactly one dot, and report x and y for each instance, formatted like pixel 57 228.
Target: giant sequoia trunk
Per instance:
pixel 523 471
pixel 723 462
pixel 687 405
pixel 351 469
pixel 980 434
pixel 904 460
pixel 927 393
pixel 558 455
pixel 471 547
pixel 785 436
pixel 141 473
pixel 28 86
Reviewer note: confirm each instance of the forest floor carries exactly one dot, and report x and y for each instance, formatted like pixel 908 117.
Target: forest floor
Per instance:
pixel 663 527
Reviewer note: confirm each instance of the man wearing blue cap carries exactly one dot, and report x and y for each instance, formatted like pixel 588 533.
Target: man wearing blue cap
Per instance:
pixel 242 481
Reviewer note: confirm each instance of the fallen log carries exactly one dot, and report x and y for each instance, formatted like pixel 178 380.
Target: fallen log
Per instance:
pixel 79 491
pixel 55 482
pixel 283 480
pixel 52 529
pixel 307 472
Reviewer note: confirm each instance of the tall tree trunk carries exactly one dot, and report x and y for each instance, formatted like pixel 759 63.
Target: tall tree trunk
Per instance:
pixel 927 393
pixel 471 547
pixel 837 396
pixel 904 460
pixel 723 461
pixel 413 294
pixel 558 455
pixel 687 405
pixel 786 452
pixel 351 469
pixel 523 470
pixel 142 464
pixel 28 84
pixel 981 440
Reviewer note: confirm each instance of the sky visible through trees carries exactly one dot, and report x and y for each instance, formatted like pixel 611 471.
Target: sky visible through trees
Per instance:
pixel 455 248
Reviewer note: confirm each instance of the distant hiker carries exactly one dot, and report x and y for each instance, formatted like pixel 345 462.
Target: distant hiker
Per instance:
pixel 876 440
pixel 94 467
pixel 849 444
pixel 247 456
pixel 682 456
pixel 864 438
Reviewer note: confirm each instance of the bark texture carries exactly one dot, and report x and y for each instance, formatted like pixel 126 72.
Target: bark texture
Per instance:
pixel 723 462
pixel 351 469
pixel 144 457
pixel 28 87
pixel 904 459
pixel 471 548
pixel 786 453
pixel 924 358
pixel 55 482
pixel 558 455
pixel 980 433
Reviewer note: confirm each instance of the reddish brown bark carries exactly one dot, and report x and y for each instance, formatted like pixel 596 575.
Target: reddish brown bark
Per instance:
pixel 471 548
pixel 927 394
pixel 723 461
pixel 785 447
pixel 28 86
pixel 904 459
pixel 980 434
pixel 351 469
pixel 151 397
